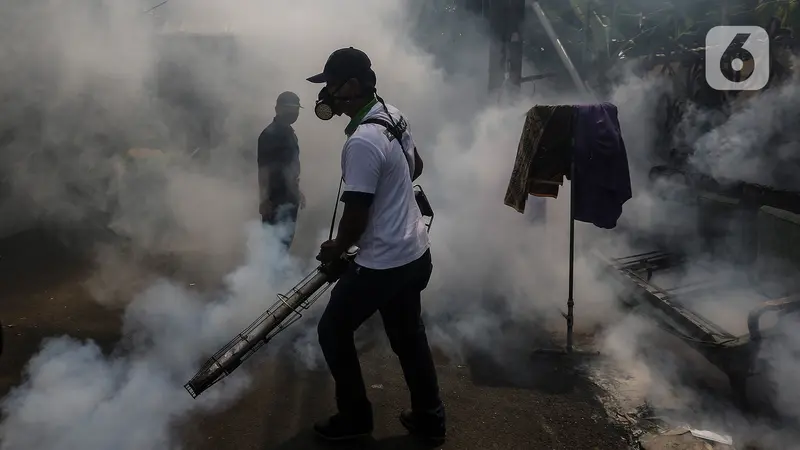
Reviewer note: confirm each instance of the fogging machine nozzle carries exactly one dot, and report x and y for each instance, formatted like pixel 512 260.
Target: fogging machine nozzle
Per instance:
pixel 284 312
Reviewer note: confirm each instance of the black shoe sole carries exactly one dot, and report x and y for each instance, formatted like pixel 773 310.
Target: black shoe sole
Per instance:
pixel 437 440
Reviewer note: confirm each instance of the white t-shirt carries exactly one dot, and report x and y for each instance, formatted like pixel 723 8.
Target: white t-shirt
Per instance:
pixel 396 234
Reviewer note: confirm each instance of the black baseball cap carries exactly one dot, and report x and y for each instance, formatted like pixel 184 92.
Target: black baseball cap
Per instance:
pixel 288 98
pixel 344 64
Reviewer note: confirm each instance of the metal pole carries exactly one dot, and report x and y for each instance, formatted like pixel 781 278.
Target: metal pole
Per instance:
pixel 570 300
pixel 587 33
pixel 514 45
pixel 497 48
pixel 562 53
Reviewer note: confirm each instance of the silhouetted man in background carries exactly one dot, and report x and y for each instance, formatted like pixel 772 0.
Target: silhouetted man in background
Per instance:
pixel 279 167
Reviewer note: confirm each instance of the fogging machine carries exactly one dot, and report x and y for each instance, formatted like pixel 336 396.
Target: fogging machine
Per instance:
pixel 284 312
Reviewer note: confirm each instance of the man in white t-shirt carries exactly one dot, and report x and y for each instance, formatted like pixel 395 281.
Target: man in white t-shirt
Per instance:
pixel 393 265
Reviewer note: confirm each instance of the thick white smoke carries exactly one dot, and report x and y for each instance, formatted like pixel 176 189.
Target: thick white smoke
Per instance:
pixel 96 99
pixel 752 141
pixel 75 396
pixel 756 142
pixel 80 82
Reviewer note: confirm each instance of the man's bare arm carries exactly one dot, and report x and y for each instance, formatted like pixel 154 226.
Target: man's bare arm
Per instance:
pixel 353 222
pixel 263 184
pixel 263 159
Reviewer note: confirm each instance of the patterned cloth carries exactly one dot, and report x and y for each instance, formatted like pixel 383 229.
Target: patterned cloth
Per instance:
pixel 542 155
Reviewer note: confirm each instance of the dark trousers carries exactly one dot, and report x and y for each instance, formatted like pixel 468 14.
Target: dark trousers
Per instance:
pixel 395 293
pixel 285 214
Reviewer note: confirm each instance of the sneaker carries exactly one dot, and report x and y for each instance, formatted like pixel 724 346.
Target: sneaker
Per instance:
pixel 341 428
pixel 430 427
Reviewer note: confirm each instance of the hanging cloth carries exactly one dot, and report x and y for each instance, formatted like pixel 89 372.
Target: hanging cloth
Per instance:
pixel 551 137
pixel 603 182
pixel 543 155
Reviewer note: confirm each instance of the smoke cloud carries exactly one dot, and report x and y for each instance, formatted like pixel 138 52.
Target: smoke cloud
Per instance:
pixel 750 140
pixel 141 128
pixel 191 84
pixel 74 396
pixel 755 142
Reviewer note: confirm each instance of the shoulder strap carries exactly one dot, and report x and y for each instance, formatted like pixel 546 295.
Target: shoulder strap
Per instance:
pixel 395 131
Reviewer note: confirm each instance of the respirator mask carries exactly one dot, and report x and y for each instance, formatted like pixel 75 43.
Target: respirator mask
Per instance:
pixel 324 108
pixel 328 102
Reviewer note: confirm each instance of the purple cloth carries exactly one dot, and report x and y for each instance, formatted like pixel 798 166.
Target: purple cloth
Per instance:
pixel 602 181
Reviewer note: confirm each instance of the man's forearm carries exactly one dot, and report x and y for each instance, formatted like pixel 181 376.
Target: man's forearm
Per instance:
pixel 346 238
pixel 351 227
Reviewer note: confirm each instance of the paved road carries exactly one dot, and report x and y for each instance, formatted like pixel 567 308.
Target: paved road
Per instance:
pixel 43 294
pixel 542 405
pixel 485 411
